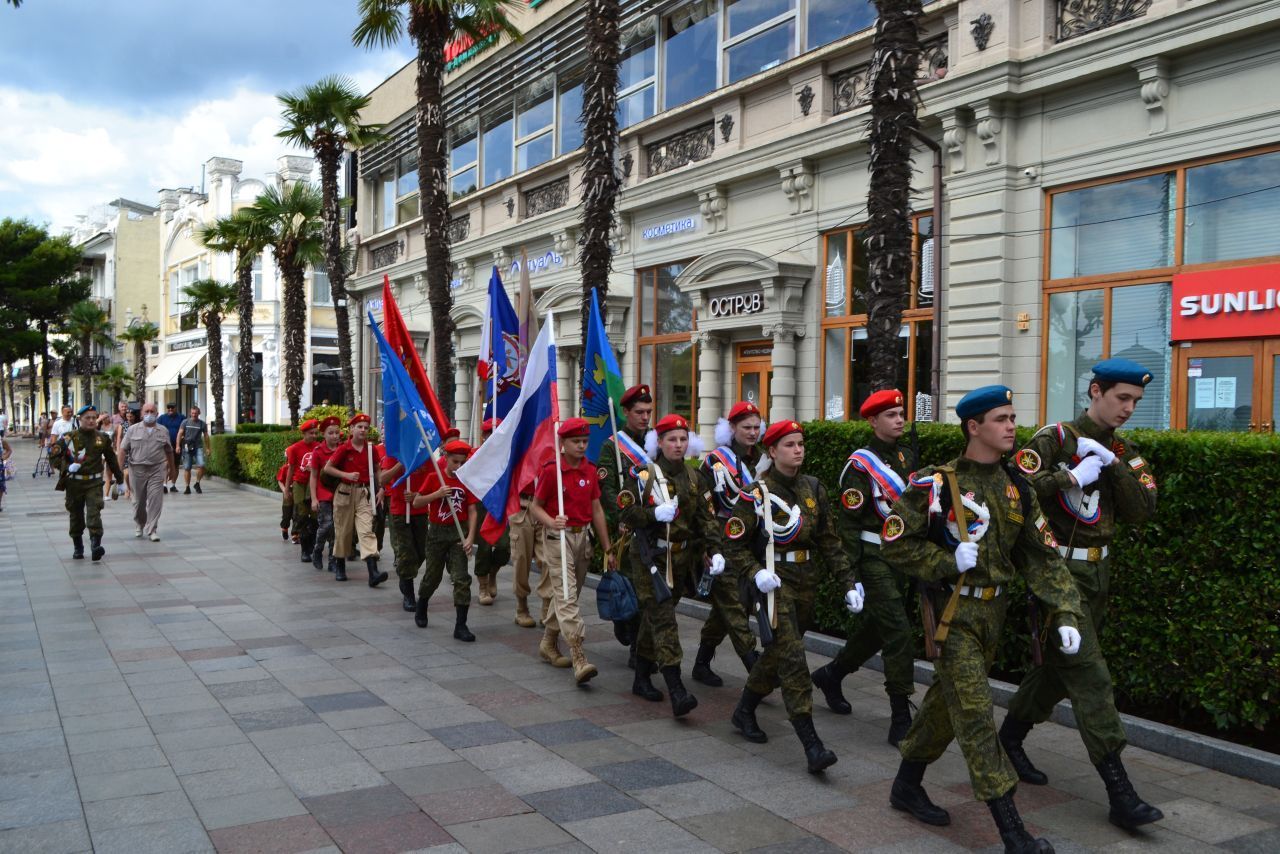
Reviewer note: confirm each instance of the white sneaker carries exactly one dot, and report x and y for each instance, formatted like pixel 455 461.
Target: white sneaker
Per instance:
pixel 137 532
pixel 155 538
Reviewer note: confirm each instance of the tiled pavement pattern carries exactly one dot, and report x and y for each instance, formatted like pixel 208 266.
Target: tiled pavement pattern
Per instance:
pixel 209 692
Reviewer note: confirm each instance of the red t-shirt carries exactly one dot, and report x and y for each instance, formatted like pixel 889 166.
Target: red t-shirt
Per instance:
pixel 280 475
pixel 319 456
pixel 459 495
pixel 395 494
pixel 581 487
pixel 298 455
pixel 347 458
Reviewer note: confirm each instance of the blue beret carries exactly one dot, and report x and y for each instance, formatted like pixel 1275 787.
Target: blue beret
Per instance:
pixel 982 400
pixel 88 407
pixel 1122 371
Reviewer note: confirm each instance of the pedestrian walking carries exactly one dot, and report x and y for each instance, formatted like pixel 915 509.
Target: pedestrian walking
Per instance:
pixel 6 468
pixel 320 487
pixel 146 447
pixel 193 442
pixel 409 525
pixel 81 457
pixel 298 459
pixel 490 557
pixel 447 501
pixel 171 421
pixel 66 423
pixel 286 500
pixel 350 466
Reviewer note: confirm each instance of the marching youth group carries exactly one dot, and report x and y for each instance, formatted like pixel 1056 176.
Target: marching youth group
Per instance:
pixel 749 532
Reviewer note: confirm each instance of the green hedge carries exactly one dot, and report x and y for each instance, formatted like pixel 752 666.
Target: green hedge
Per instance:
pixel 250 462
pixel 1193 634
pixel 262 428
pixel 222 454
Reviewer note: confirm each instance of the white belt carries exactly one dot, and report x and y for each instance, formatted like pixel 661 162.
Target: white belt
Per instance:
pixel 986 594
pixel 799 556
pixel 678 546
pixel 1093 554
pixel 869 537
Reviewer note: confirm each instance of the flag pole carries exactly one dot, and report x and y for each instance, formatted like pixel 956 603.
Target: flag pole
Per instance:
pixel 435 464
pixel 617 452
pixel 564 559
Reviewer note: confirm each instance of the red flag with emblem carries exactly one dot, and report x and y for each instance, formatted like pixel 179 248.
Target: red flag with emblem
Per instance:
pixel 397 335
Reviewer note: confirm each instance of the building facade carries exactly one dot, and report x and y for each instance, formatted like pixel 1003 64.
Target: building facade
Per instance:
pixel 1110 182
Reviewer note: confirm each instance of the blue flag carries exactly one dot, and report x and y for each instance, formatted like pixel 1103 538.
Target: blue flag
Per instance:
pixel 601 382
pixel 409 433
pixel 500 351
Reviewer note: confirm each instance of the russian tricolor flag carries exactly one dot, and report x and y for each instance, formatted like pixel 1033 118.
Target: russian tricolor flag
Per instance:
pixel 510 459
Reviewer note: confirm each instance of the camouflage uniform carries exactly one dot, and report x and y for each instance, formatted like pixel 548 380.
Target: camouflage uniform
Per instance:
pixel 491 558
pixel 728 616
pixel 444 549
pixel 692 533
pixel 607 469
pixel 1126 492
pixel 84 498
pixel 784 659
pixel 409 542
pixel 1016 541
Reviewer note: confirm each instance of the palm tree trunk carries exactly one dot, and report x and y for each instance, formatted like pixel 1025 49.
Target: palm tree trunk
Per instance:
pixel 894 63
pixel 86 371
pixel 329 154
pixel 66 380
pixel 295 334
pixel 244 356
pixel 213 330
pixel 430 28
pixel 600 138
pixel 140 371
pixel 31 387
pixel 44 361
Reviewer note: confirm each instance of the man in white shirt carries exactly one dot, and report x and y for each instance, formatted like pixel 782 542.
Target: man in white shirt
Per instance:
pixel 63 425
pixel 4 422
pixel 146 447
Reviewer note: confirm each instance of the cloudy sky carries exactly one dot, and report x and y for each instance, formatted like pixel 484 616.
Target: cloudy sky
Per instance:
pixel 110 98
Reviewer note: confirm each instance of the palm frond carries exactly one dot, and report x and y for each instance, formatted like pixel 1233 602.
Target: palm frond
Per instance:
pixel 381 23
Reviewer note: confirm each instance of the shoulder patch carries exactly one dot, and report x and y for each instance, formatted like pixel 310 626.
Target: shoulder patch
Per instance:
pixel 851 499
pixel 1137 463
pixel 625 499
pixel 1147 480
pixel 894 527
pixel 1027 460
pixel 735 528
pixel 603 473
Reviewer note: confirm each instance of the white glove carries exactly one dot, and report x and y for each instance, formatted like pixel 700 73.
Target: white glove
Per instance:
pixel 966 557
pixel 73 468
pixel 717 565
pixel 767 580
pixel 854 599
pixel 1070 640
pixel 1087 470
pixel 666 511
pixel 1086 446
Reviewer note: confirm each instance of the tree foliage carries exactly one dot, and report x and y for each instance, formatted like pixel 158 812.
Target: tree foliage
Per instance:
pixel 600 182
pixel 240 236
pixel 210 300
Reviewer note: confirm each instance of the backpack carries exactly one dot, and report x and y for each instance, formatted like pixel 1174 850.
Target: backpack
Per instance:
pixel 616 598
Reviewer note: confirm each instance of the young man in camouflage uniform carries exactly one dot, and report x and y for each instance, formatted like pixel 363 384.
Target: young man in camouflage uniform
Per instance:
pixel 298 476
pixel 673 527
pixel 1088 478
pixel 449 503
pixel 726 472
pixel 81 456
pixel 798 516
pixel 491 558
pixel 409 525
pixel 1006 536
pixel 872 480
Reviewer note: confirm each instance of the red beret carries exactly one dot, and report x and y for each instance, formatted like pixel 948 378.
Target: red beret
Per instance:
pixel 309 424
pixel 490 424
pixel 331 421
pixel 359 418
pixel 669 423
pixel 451 433
pixel 457 446
pixel 634 393
pixel 778 430
pixel 742 409
pixel 880 402
pixel 574 427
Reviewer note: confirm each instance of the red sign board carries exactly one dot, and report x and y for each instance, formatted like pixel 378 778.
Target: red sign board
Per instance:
pixel 1243 302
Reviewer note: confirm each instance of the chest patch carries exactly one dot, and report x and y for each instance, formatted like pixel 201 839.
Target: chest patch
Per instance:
pixel 1027 461
pixel 1137 463
pixel 735 528
pixel 1147 480
pixel 625 499
pixel 893 528
pixel 851 499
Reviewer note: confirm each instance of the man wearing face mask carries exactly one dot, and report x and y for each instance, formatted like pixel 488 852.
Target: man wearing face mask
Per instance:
pixel 81 457
pixel 146 446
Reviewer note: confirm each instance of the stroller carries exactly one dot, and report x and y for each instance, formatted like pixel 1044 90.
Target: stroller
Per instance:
pixel 42 463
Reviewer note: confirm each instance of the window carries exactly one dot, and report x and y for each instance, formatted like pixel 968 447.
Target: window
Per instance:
pixel 1232 208
pixel 257 279
pixel 464 158
pixel 759 35
pixel 321 294
pixel 667 358
pixel 407 206
pixel 636 74
pixel 845 379
pixel 175 293
pixel 497 151
pixel 569 117
pixel 386 204
pixel 828 20
pixel 689 37
pixel 1114 228
pixel 535 117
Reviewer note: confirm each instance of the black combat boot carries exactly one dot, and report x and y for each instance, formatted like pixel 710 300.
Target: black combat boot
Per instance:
pixel 749 660
pixel 317 556
pixel 818 756
pixel 460 630
pixel 702 671
pixel 420 613
pixel 78 548
pixel 1012 733
pixel 375 577
pixel 827 680
pixel 1128 811
pixel 95 545
pixel 1012 833
pixel 744 717
pixel 406 590
pixel 340 570
pixel 908 795
pixel 641 685
pixel 307 544
pixel 899 718
pixel 682 702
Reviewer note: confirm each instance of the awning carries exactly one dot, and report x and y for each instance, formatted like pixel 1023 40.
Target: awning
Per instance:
pixel 173 366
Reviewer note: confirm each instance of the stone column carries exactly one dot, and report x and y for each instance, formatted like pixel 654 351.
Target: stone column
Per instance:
pixel 710 367
pixel 567 380
pixel 463 379
pixel 782 392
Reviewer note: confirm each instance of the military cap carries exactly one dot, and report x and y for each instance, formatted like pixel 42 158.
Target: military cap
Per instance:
pixel 359 418
pixel 88 407
pixel 309 424
pixel 778 430
pixel 635 394
pixel 670 422
pixel 490 424
pixel 331 421
pixel 457 446
pixel 1121 371
pixel 880 402
pixel 741 410
pixel 982 400
pixel 451 433
pixel 572 428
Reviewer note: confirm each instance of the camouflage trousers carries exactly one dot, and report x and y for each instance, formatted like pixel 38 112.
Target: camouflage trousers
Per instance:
pixel 1083 677
pixel 304 518
pixel 491 558
pixel 728 617
pixel 658 635
pixel 444 550
pixel 84 502
pixel 324 529
pixel 958 703
pixel 286 512
pixel 409 542
pixel 883 627
pixel 783 661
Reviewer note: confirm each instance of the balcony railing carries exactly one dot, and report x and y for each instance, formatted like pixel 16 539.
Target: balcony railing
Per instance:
pixel 1078 17
pixel 459 228
pixel 386 254
pixel 852 87
pixel 548 197
pixel 681 149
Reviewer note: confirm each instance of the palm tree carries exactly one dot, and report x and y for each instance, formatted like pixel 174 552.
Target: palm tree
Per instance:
pixel 88 324
pixel 431 25
pixel 139 335
pixel 289 220
pixel 66 350
pixel 599 140
pixel 210 300
pixel 240 236
pixel 116 382
pixel 325 117
pixel 895 59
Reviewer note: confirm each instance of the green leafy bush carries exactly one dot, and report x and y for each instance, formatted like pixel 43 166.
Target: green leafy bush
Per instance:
pixel 317 412
pixel 262 428
pixel 222 454
pixel 248 458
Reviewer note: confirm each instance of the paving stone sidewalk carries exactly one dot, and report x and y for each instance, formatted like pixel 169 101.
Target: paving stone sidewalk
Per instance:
pixel 210 692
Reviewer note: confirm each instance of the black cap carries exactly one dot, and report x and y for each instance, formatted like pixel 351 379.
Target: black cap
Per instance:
pixel 171 406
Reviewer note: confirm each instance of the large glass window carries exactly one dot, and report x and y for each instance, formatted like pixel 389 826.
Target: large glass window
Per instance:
pixel 175 293
pixel 321 292
pixel 1232 209
pixel 257 279
pixel 636 75
pixel 760 34
pixel 407 206
pixel 535 116
pixel 829 20
pixel 667 358
pixel 1114 228
pixel 1075 328
pixel 689 53
pixel 386 207
pixel 464 158
pixel 569 118
pixel 497 147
